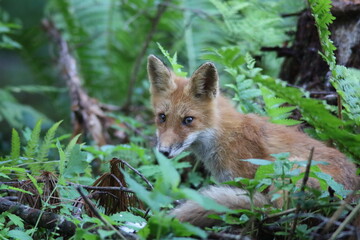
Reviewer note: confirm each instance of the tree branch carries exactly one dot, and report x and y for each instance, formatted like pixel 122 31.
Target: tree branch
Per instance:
pixel 47 219
pixel 135 71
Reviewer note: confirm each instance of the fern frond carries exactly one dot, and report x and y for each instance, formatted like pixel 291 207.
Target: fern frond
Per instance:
pixel 62 162
pixel 347 84
pixel 274 110
pixel 33 142
pixel 46 145
pixel 15 146
pixel 345 81
pixel 71 144
pixel 173 61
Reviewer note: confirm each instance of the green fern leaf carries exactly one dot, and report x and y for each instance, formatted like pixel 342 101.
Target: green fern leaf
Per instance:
pixel 71 145
pixel 15 146
pixel 274 110
pixel 173 61
pixel 46 145
pixel 62 162
pixel 345 81
pixel 33 143
pixel 286 121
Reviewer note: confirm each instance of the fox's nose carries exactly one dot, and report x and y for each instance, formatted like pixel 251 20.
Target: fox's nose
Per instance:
pixel 165 152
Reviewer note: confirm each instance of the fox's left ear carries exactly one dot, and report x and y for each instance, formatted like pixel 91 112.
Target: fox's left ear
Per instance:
pixel 205 81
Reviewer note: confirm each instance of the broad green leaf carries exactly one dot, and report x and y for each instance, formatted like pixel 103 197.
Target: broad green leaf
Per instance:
pixel 16 220
pixel 258 161
pixel 127 217
pixel 18 234
pixel 168 170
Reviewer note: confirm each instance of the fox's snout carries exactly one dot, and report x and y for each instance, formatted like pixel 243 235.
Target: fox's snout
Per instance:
pixel 170 151
pixel 165 151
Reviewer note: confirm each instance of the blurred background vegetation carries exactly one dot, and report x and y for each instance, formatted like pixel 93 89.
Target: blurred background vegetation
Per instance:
pixel 110 40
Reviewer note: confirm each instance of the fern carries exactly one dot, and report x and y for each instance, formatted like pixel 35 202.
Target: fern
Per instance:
pixel 345 81
pixel 274 110
pixel 173 61
pixel 245 91
pixel 46 145
pixel 15 145
pixel 254 27
pixel 33 142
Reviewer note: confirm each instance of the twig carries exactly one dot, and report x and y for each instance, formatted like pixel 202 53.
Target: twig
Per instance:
pixel 97 214
pixel 345 222
pixel 135 130
pixel 229 236
pixel 142 177
pixel 340 209
pixel 302 190
pixel 135 72
pixel 124 189
pixel 136 171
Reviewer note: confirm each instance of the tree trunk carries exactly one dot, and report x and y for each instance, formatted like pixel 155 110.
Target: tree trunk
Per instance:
pixel 305 67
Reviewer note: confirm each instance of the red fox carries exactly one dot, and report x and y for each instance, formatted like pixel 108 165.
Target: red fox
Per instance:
pixel 191 114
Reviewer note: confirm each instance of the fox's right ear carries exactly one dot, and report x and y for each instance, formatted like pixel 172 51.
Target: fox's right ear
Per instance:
pixel 159 75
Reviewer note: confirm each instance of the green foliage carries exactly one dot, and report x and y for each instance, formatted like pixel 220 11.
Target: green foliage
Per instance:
pixel 173 61
pixel 15 113
pixel 274 109
pixel 345 81
pixel 6 29
pixel 35 155
pixel 33 142
pixel 47 143
pixel 245 91
pixel 255 24
pixel 15 145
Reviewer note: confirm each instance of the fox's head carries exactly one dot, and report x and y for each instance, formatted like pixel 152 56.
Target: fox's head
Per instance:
pixel 185 109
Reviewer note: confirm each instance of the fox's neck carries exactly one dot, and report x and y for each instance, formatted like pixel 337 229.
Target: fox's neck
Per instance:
pixel 206 149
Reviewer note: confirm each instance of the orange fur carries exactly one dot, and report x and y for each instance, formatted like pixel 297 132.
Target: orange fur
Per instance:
pixel 220 136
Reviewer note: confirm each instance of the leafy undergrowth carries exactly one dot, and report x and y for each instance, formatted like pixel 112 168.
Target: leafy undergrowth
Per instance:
pixel 132 197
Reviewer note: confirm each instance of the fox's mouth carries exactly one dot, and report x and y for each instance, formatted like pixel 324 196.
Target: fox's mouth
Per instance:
pixel 177 148
pixel 173 151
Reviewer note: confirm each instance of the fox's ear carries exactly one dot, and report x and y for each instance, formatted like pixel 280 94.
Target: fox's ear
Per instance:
pixel 159 75
pixel 205 81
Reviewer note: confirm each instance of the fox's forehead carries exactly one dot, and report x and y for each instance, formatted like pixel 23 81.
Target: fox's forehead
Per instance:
pixel 177 101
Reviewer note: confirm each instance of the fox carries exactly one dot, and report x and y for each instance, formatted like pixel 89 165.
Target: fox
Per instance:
pixel 191 114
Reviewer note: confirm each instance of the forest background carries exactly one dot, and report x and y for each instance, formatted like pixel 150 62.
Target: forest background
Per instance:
pixel 84 63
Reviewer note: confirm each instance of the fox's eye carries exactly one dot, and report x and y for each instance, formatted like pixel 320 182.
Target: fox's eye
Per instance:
pixel 162 117
pixel 187 120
